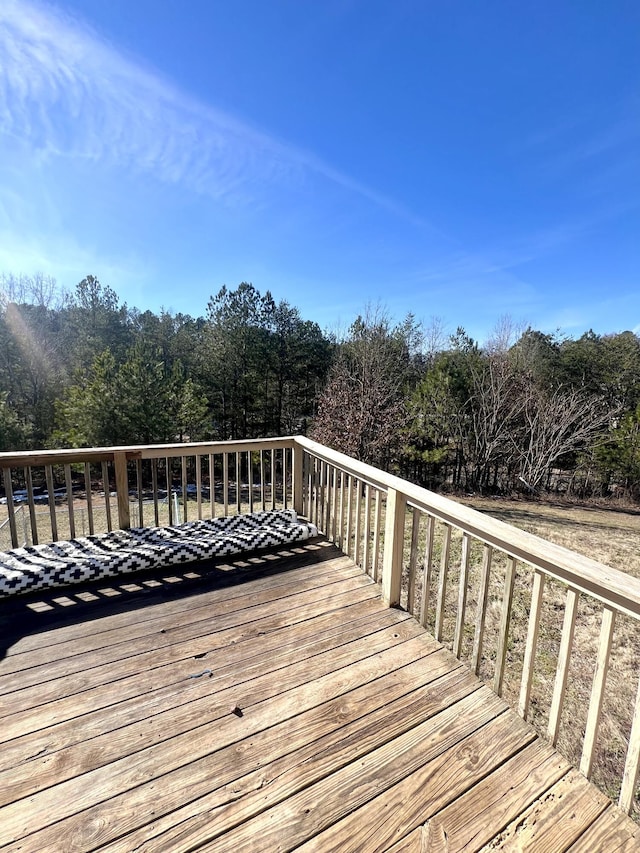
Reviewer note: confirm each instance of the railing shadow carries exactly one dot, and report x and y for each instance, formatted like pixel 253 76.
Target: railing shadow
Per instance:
pixel 46 610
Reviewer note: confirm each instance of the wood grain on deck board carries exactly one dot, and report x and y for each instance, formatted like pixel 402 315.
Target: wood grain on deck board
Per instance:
pixel 186 627
pixel 556 820
pixel 318 743
pixel 222 631
pixel 415 842
pixel 105 736
pixel 454 741
pixel 107 613
pixel 612 832
pixel 474 818
pixel 123 774
pixel 408 803
pixel 71 696
pixel 172 685
pixel 173 665
pixel 327 723
pixel 124 812
pixel 103 632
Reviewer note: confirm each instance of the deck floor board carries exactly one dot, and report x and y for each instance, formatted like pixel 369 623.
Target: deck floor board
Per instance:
pixel 266 704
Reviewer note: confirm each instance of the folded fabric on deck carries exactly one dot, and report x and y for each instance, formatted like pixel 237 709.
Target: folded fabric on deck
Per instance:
pixel 104 555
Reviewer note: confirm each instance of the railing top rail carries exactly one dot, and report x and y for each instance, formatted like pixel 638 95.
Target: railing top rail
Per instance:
pixel 142 451
pixel 609 585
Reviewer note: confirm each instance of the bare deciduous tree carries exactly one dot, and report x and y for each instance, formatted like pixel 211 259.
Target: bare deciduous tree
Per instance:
pixel 363 409
pixel 555 424
pixel 491 415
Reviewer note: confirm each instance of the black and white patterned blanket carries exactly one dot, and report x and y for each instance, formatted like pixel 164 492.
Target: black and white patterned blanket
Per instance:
pixel 104 555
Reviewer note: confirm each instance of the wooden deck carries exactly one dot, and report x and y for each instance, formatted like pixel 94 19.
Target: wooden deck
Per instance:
pixel 270 704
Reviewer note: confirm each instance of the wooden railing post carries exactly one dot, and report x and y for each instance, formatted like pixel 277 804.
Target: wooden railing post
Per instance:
pixel 122 489
pixel 297 466
pixel 393 545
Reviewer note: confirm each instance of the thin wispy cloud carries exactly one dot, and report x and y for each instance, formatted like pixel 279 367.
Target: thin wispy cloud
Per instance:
pixel 107 166
pixel 69 93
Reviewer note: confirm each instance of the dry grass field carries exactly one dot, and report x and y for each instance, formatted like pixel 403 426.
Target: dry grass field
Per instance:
pixel 610 535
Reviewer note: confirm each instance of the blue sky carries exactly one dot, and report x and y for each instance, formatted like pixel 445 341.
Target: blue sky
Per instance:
pixel 461 160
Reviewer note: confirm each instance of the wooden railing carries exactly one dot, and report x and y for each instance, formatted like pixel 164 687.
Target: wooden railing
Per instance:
pixel 494 594
pixel 406 536
pixel 120 487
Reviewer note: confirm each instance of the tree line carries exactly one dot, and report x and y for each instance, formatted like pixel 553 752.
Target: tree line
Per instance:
pixel 526 410
pixel 81 369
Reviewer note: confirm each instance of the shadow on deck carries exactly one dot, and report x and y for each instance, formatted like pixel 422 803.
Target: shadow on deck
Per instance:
pixel 269 703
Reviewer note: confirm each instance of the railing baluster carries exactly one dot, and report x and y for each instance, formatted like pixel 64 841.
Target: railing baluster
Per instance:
pixel 366 551
pixel 632 763
pixel 316 502
pixel 273 478
pixel 167 467
pixel 314 491
pixel 318 493
pixel 122 489
pixel 376 536
pixel 285 478
pixel 358 525
pixel 334 506
pixel 597 691
pixel 154 489
pixel 238 483
pixel 341 513
pixel 212 486
pixel 322 514
pixel 68 484
pixel 562 668
pixel 442 581
pixel 263 505
pixel 225 483
pixel 250 478
pixel 348 549
pixel 505 619
pixel 327 500
pixel 531 644
pixel 307 485
pixel 427 568
pixel 107 495
pixel 413 559
pixel 481 611
pixel 183 471
pixel 52 500
pixel 32 507
pixel 140 495
pixel 328 503
pixel 87 491
pixel 198 463
pixel 462 595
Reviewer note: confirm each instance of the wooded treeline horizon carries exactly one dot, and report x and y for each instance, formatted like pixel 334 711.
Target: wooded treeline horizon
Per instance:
pixel 525 411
